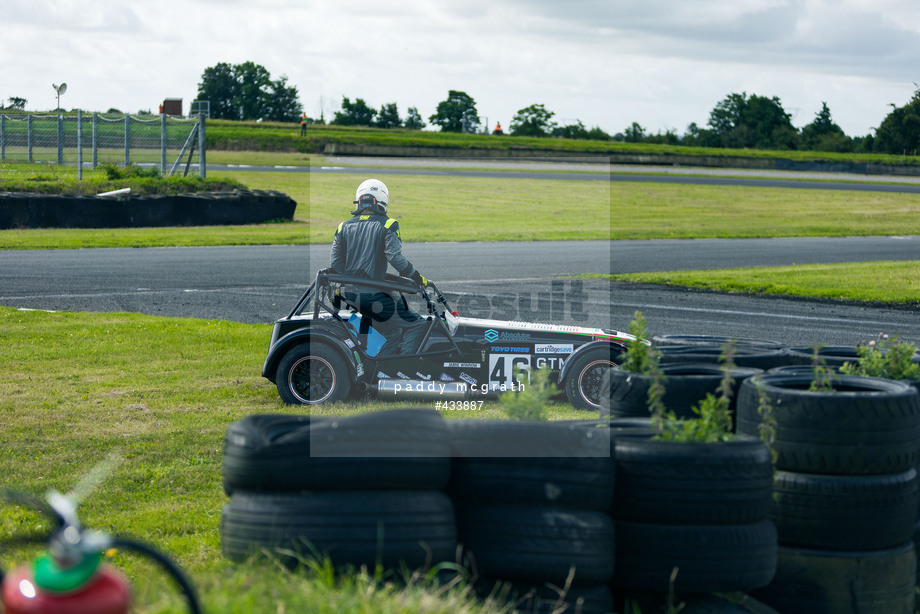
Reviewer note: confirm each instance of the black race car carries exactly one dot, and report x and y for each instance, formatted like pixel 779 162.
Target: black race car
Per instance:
pixel 321 352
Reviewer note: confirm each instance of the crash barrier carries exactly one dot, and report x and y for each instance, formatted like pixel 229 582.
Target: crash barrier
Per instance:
pixel 28 210
pixel 527 505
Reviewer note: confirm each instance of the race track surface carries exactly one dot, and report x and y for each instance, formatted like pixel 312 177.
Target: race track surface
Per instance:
pixel 506 280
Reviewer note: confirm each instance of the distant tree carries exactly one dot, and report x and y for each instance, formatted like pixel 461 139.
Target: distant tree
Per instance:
pixel 596 134
pixel 634 134
pixel 17 103
pixel 282 102
pixel 414 120
pixel 752 121
pixel 388 116
pixel 253 82
pixel 218 85
pixel 571 131
pixel 457 113
pixel 534 120
pixel 899 132
pixel 355 113
pixel 823 134
pixel 246 92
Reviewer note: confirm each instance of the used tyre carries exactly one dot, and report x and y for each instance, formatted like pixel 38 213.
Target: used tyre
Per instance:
pixel 699 558
pixel 831 512
pixel 393 528
pixel 864 426
pixel 745 356
pixel 692 483
pixel 685 385
pixel 826 582
pixel 532 543
pixel 312 373
pixel 402 449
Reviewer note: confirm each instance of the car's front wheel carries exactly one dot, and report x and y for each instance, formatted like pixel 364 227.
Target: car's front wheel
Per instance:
pixel 312 373
pixel 583 384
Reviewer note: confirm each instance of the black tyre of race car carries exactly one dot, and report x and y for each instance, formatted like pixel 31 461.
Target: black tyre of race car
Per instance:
pixel 535 543
pixel 864 426
pixel 584 383
pixel 707 558
pixel 692 483
pixel 414 528
pixel 835 512
pixel 398 449
pixel 853 582
pixel 312 373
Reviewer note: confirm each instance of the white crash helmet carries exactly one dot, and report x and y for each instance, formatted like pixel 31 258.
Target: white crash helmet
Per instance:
pixel 372 194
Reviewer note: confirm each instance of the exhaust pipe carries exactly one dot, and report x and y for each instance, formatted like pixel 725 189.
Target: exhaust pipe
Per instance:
pixel 426 390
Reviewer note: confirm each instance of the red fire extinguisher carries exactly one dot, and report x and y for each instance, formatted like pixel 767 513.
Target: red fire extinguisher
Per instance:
pixel 72 578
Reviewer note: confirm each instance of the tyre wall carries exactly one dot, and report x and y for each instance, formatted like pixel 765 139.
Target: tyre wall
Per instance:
pixel 27 210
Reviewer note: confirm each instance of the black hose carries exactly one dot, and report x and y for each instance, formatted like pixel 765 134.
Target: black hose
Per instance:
pixel 191 595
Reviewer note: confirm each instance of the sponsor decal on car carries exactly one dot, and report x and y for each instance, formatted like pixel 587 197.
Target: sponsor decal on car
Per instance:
pixel 446 378
pixel 462 365
pixel 360 365
pixel 510 349
pixel 402 375
pixel 469 379
pixel 553 362
pixel 554 348
pixel 349 343
pixel 504 367
pixel 493 335
pixel 382 375
pixel 425 377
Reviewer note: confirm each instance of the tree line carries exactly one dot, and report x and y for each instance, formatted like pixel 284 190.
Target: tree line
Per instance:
pixel 247 92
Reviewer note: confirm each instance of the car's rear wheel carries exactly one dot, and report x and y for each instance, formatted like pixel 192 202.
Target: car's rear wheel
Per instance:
pixel 312 373
pixel 583 385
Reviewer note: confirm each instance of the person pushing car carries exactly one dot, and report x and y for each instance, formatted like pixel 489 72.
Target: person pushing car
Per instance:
pixel 362 247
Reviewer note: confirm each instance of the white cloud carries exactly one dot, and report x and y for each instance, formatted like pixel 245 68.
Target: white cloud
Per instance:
pixel 605 62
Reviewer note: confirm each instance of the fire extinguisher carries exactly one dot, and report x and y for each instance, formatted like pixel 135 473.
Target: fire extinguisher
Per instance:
pixel 71 577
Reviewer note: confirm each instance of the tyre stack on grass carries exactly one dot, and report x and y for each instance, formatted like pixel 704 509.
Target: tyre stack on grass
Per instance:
pixel 692 518
pixel 365 490
pixel 749 353
pixel 532 501
pixel 845 502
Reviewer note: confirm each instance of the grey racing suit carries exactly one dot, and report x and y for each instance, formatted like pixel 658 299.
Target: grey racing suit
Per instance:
pixel 362 247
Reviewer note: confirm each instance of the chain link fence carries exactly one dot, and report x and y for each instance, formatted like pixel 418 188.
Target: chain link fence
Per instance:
pixel 170 143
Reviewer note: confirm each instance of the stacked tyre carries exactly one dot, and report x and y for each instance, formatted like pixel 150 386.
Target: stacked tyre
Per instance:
pixel 532 501
pixel 365 490
pixel 845 502
pixel 692 518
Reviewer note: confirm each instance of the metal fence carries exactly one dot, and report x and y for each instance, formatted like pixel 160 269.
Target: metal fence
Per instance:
pixel 170 143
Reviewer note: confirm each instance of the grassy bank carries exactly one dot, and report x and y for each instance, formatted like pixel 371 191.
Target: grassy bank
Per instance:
pixel 436 208
pixel 882 282
pixel 160 392
pixel 285 137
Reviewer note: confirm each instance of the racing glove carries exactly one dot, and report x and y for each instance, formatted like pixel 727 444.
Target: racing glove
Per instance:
pixel 417 278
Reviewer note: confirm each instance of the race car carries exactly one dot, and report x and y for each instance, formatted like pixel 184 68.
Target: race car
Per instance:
pixel 326 350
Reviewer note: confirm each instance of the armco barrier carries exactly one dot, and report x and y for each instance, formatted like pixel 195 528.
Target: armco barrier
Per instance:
pixel 26 210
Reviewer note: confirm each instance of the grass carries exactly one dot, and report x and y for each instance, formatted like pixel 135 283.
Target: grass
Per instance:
pixel 893 282
pixel 161 392
pixel 436 208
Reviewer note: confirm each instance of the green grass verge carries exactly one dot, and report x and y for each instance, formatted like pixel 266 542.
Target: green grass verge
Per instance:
pixel 435 208
pixel 895 282
pixel 161 392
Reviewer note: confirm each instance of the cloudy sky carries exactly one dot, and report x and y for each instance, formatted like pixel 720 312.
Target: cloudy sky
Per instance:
pixel 608 63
